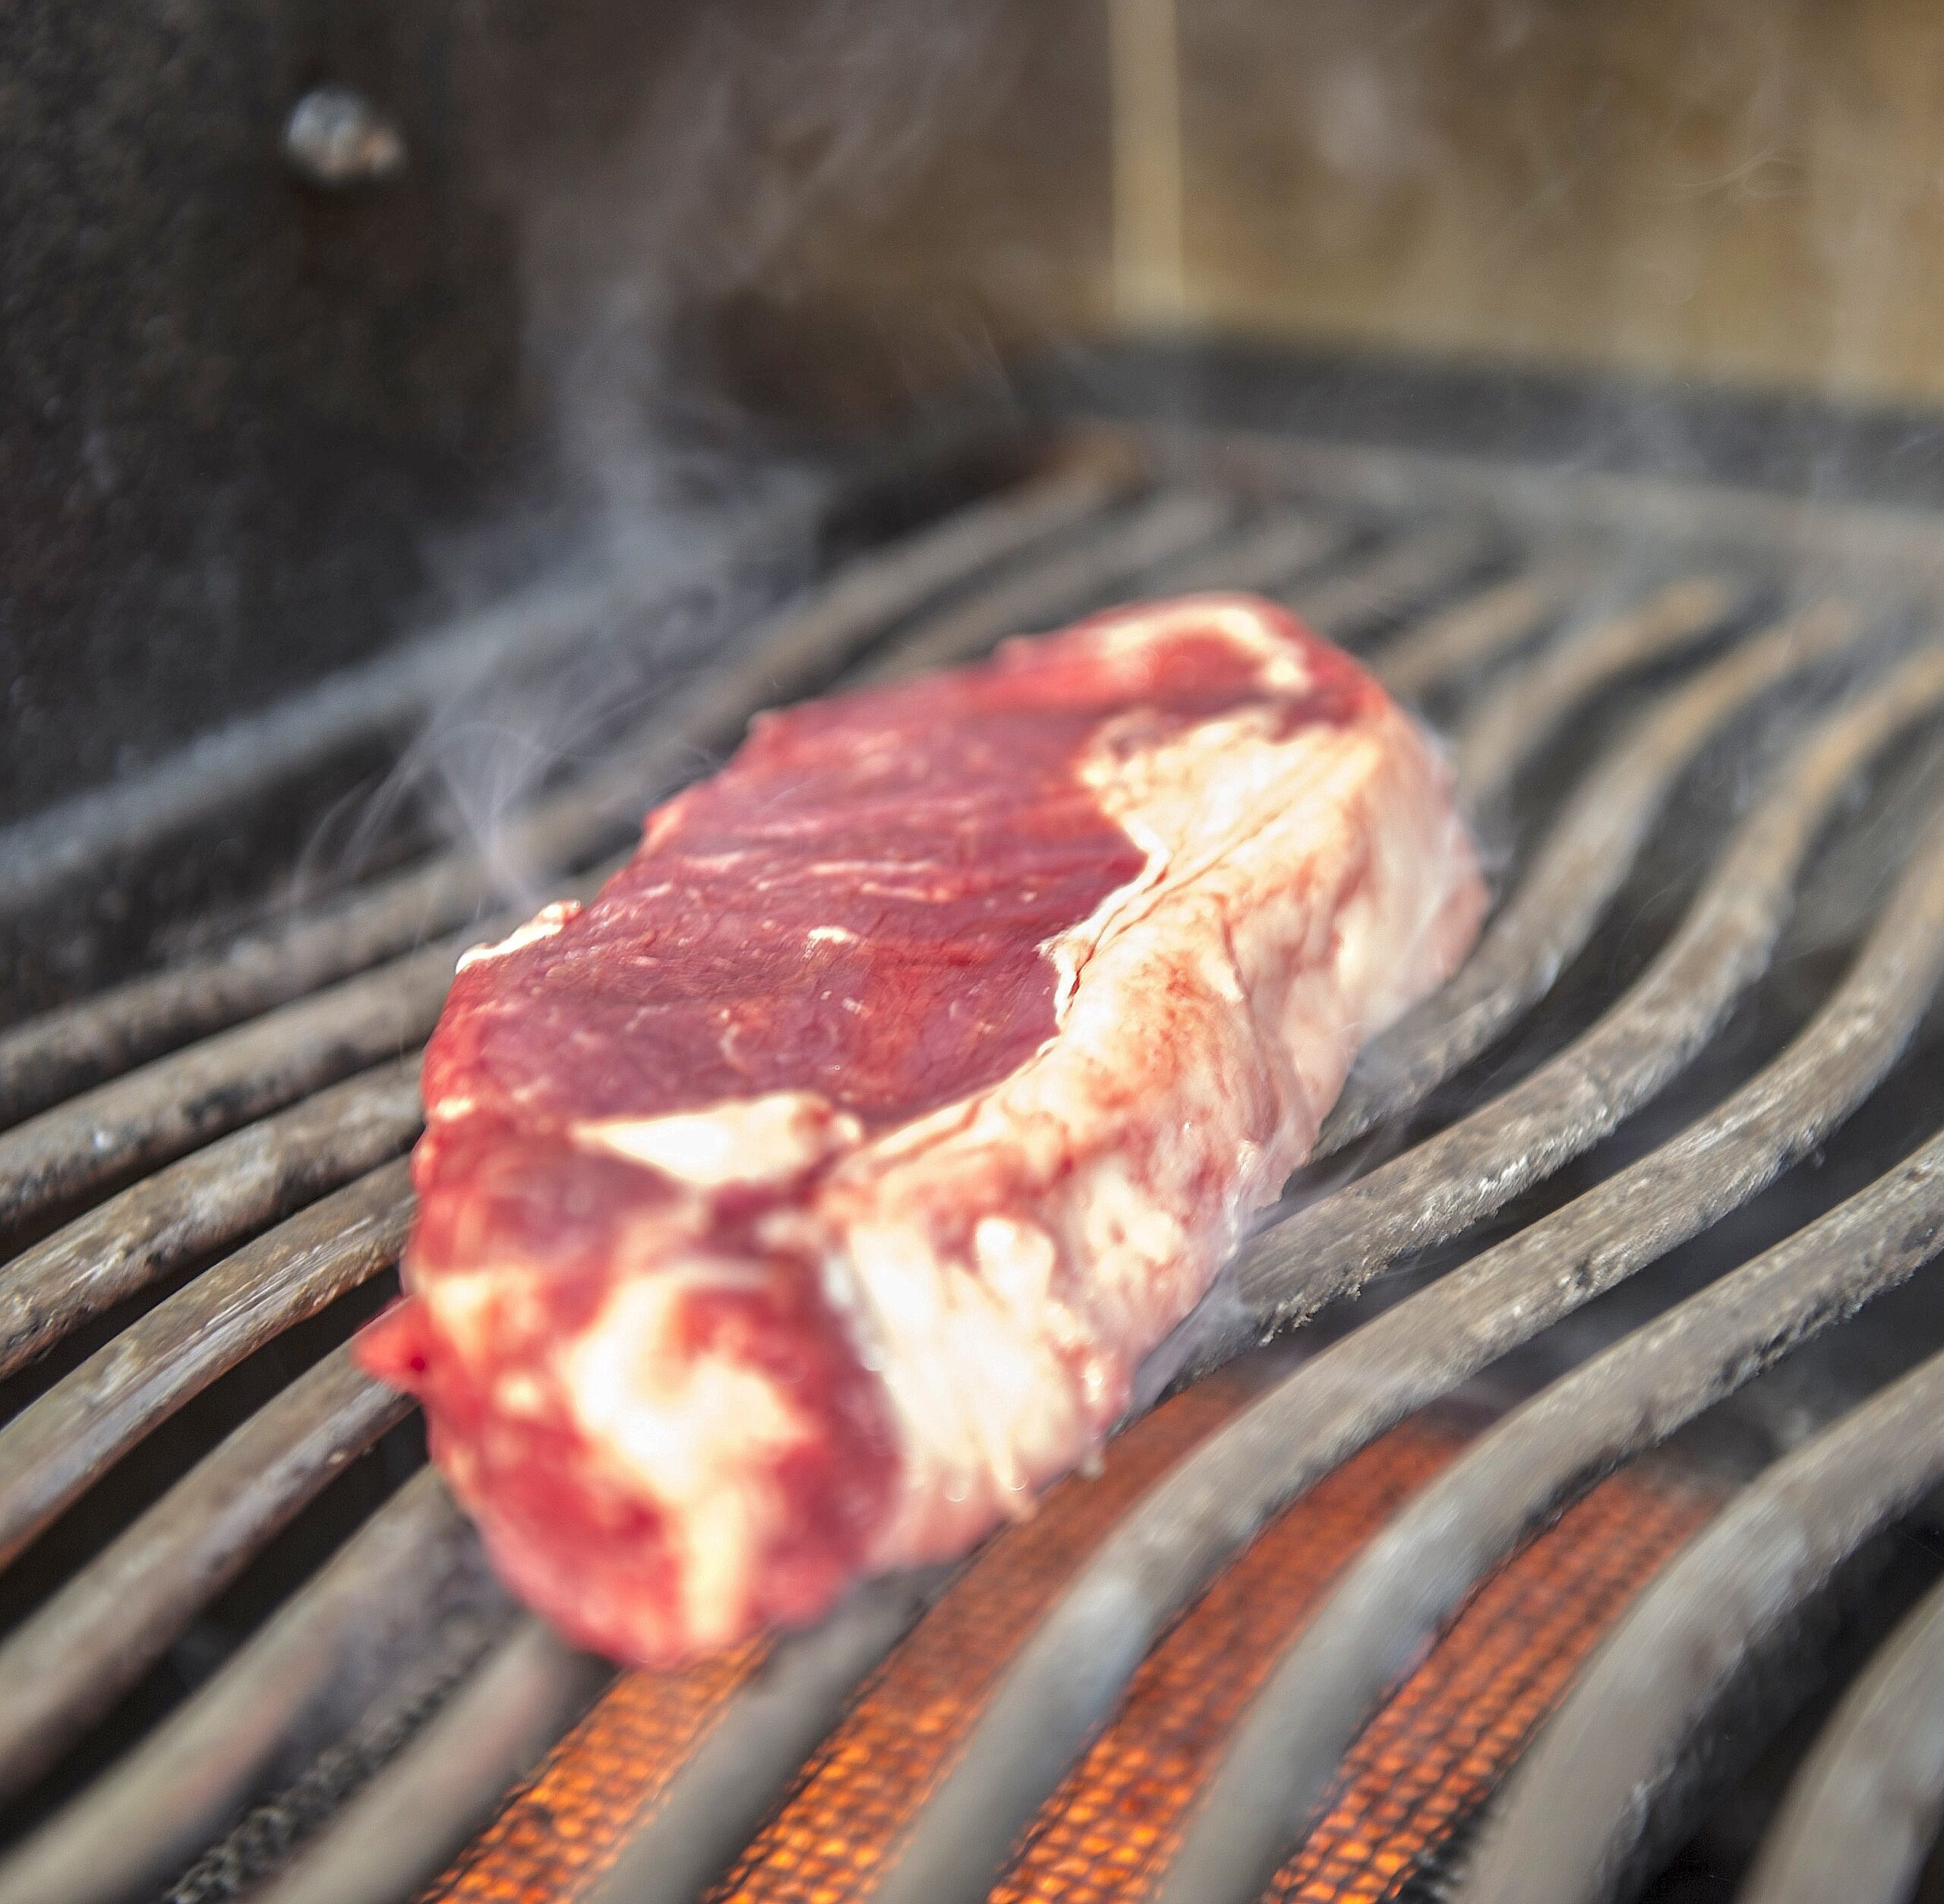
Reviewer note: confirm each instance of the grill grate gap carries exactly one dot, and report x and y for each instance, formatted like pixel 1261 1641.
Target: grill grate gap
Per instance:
pixel 216 1633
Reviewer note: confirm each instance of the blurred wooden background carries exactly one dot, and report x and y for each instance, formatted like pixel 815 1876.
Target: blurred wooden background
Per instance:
pixel 1743 191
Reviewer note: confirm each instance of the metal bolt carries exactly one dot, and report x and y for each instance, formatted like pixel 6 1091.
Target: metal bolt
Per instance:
pixel 336 138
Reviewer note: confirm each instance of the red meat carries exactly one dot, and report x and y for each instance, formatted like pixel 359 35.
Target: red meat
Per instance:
pixel 802 1206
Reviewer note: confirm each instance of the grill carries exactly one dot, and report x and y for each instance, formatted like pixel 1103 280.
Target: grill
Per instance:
pixel 1671 1124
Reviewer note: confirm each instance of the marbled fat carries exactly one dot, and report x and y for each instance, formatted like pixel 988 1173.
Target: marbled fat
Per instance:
pixel 803 1206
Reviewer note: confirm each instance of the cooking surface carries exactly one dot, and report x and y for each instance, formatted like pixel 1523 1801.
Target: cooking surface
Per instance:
pixel 1695 724
pixel 1407 1795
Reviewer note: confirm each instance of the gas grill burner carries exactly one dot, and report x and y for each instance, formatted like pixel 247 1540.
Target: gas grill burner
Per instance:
pixel 1546 1451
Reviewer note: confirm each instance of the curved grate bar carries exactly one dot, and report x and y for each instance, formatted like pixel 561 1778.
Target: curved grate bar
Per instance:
pixel 1864 1812
pixel 1462 640
pixel 325 1654
pixel 714 1803
pixel 401 1828
pixel 1478 1164
pixel 811 648
pixel 1569 674
pixel 1072 1669
pixel 214 1197
pixel 1265 556
pixel 1574 1812
pixel 52 1057
pixel 1581 864
pixel 1169 525
pixel 1418 566
pixel 154 1115
pixel 63 1051
pixel 70 1659
pixel 60 1443
pixel 1417 1574
pixel 1497 742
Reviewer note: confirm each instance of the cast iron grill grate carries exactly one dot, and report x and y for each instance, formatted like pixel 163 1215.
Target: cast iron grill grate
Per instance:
pixel 203 1185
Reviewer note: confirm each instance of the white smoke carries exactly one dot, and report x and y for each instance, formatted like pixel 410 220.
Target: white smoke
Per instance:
pixel 666 518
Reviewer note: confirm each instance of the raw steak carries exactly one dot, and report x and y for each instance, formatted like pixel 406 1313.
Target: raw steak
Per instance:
pixel 802 1206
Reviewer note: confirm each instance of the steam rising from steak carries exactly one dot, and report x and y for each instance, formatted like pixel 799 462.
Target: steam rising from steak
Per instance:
pixel 803 1206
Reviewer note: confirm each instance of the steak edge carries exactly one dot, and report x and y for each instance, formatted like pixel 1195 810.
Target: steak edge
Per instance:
pixel 802 1207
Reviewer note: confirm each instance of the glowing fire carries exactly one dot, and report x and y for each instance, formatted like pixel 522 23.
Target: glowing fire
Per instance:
pixel 1416 1775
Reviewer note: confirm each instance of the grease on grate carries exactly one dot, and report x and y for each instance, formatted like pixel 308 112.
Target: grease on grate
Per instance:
pixel 1410 1784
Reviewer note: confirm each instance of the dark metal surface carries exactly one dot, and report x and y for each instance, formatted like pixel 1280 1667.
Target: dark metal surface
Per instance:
pixel 214 1197
pixel 1156 531
pixel 154 1115
pixel 62 1666
pixel 1573 1812
pixel 1864 1812
pixel 399 1830
pixel 1484 627
pixel 1499 738
pixel 1428 566
pixel 194 340
pixel 332 1650
pixel 1574 872
pixel 1284 543
pixel 61 1441
pixel 254 1151
pixel 1418 1572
